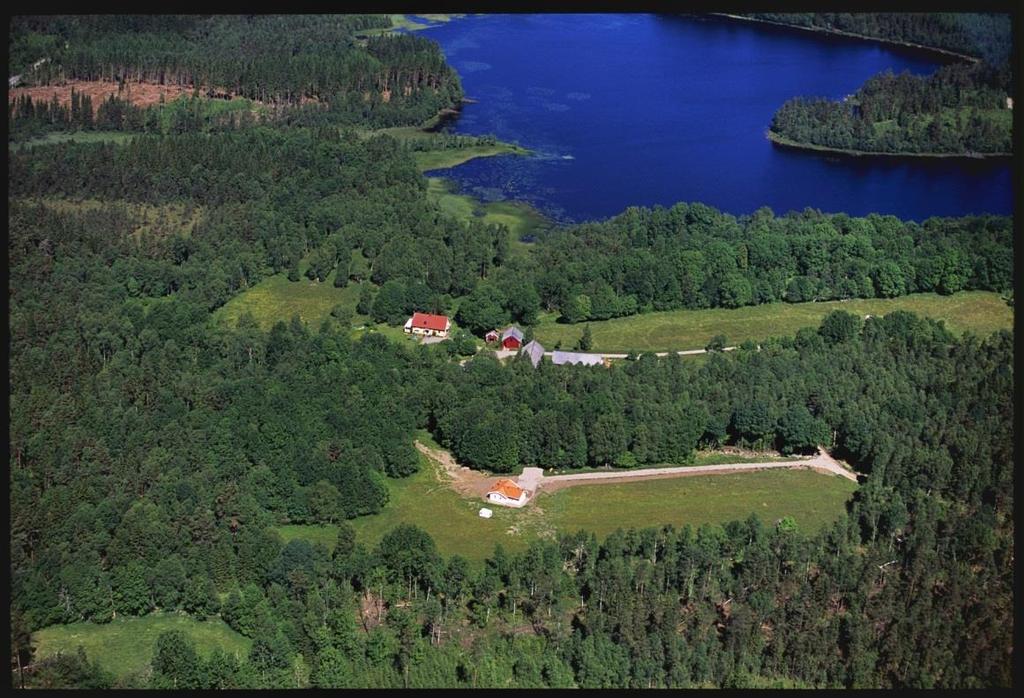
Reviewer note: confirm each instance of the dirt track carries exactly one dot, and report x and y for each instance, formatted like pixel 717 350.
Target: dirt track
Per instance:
pixel 462 479
pixel 821 462
pixel 474 483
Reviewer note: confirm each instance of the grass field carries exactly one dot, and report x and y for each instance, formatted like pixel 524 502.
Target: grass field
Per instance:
pixel 422 499
pixel 811 498
pixel 276 298
pixel 981 312
pixel 441 159
pixel 125 646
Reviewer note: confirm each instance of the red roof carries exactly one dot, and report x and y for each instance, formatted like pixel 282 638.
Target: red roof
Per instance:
pixel 507 488
pixel 425 321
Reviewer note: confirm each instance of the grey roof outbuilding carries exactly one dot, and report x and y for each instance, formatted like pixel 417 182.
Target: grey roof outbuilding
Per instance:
pixel 535 351
pixel 573 357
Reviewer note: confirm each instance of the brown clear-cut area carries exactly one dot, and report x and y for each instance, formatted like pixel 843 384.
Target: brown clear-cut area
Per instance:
pixel 140 94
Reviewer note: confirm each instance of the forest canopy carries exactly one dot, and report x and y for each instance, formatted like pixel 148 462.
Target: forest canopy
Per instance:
pixel 960 109
pixel 314 66
pixel 156 453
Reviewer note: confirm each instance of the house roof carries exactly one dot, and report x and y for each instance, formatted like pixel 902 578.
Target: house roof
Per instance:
pixel 512 331
pixel 425 321
pixel 535 351
pixel 573 357
pixel 507 488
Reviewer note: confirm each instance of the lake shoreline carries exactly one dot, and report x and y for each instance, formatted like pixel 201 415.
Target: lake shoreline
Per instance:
pixel 851 35
pixel 582 142
pixel 783 142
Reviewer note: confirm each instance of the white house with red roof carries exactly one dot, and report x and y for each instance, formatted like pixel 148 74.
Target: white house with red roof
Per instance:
pixel 507 493
pixel 428 325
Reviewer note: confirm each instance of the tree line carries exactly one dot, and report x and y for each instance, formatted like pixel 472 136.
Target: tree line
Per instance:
pixel 694 256
pixel 983 35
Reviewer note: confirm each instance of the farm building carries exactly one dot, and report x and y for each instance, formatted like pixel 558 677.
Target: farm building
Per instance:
pixel 507 493
pixel 491 336
pixel 535 351
pixel 574 358
pixel 512 338
pixel 428 325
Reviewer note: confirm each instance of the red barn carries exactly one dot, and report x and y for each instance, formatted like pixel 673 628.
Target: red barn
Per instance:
pixel 512 338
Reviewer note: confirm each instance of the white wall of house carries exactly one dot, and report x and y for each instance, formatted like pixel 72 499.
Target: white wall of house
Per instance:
pixel 499 498
pixel 424 331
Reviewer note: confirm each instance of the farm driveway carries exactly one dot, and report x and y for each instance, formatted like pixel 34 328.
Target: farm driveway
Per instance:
pixel 474 483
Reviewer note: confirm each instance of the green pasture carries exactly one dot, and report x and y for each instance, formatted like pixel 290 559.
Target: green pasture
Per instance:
pixel 981 312
pixel 811 498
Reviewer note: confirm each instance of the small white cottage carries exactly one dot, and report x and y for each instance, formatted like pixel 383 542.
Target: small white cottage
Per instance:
pixel 507 493
pixel 486 513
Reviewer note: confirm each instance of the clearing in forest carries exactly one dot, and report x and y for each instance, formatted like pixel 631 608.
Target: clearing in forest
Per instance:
pixel 443 499
pixel 140 94
pixel 981 312
pixel 125 646
pixel 275 298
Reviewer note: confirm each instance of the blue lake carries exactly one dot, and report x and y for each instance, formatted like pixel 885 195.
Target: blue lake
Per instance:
pixel 641 109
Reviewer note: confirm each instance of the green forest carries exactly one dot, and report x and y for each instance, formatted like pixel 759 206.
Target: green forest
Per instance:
pixel 961 109
pixel 976 34
pixel 312 69
pixel 155 451
pixel 958 109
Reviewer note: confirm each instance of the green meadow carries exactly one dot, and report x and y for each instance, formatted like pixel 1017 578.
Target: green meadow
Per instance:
pixel 811 498
pixel 981 312
pixel 125 646
pixel 441 159
pixel 422 499
pixel 276 298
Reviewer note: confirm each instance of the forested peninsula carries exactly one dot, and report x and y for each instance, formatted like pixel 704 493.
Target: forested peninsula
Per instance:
pixel 159 456
pixel 960 110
